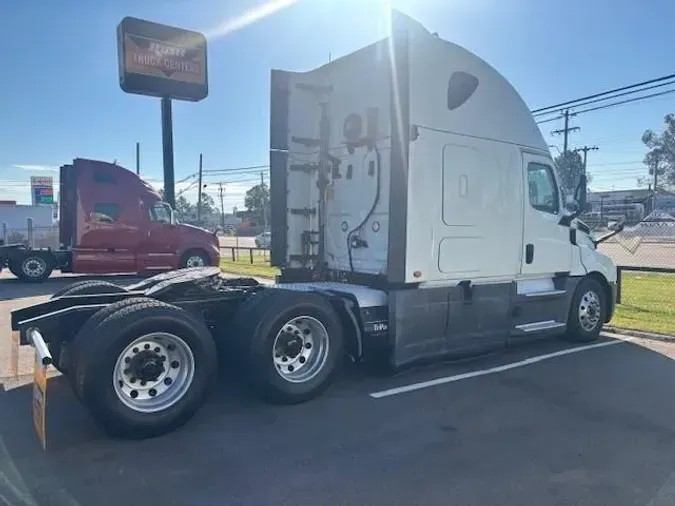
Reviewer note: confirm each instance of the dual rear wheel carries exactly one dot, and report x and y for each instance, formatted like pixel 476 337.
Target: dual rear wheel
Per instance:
pixel 144 367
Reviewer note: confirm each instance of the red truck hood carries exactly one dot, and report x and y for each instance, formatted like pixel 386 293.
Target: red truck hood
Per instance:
pixel 196 232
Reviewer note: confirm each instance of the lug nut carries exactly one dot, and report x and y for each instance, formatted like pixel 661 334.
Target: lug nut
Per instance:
pixel 143 383
pixel 168 381
pixel 302 360
pixel 162 358
pixel 132 380
pixel 157 350
pixel 127 360
pixel 127 371
pixel 291 368
pixel 147 346
pixel 175 364
pixel 135 350
pixel 152 392
pixel 308 345
pixel 284 359
pixel 306 331
pixel 133 394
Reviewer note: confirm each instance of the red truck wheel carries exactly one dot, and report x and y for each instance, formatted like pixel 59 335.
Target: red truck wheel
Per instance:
pixel 32 266
pixel 195 258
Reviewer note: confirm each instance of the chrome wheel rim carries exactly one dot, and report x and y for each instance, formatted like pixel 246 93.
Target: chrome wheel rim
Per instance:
pixel 34 267
pixel 300 349
pixel 195 261
pixel 589 311
pixel 153 372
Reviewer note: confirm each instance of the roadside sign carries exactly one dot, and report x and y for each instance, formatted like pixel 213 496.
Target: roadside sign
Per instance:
pixel 42 190
pixel 40 400
pixel 161 60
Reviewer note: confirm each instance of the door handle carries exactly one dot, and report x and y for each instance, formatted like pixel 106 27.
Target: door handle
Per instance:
pixel 529 253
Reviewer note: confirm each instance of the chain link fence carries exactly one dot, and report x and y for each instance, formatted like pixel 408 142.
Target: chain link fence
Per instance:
pixel 35 237
pixel 644 253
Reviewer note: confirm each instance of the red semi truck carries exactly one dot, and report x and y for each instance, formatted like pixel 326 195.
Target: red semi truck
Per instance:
pixel 111 221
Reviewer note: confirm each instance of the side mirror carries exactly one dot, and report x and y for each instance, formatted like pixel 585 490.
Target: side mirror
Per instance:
pixel 570 204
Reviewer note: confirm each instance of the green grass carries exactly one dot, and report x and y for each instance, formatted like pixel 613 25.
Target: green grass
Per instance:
pixel 242 265
pixel 647 302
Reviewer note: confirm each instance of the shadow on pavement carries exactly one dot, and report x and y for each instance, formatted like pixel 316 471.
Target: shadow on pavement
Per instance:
pixel 592 428
pixel 12 288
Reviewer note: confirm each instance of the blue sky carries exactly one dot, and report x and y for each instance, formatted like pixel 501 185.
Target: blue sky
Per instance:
pixel 61 99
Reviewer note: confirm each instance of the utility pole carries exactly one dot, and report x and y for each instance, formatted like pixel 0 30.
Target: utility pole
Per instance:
pixel 138 158
pixel 199 194
pixel 586 149
pixel 264 202
pixel 222 205
pixel 565 131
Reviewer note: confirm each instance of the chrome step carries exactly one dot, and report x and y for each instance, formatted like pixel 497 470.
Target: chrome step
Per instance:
pixel 539 326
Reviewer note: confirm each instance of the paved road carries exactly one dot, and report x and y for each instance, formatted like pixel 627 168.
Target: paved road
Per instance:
pixel 586 428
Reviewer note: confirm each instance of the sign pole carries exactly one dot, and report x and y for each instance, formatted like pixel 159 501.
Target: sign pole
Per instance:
pixel 167 151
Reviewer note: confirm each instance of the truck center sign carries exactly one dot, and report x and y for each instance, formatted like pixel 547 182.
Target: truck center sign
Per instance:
pixel 161 61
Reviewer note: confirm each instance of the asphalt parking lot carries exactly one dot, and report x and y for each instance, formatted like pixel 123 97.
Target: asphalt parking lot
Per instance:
pixel 596 426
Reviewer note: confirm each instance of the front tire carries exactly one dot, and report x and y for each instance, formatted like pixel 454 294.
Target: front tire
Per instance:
pixel 195 258
pixel 145 368
pixel 291 343
pixel 587 312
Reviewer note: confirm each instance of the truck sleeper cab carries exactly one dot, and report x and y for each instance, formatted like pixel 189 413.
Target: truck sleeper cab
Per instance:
pixel 424 221
pixel 430 181
pixel 111 221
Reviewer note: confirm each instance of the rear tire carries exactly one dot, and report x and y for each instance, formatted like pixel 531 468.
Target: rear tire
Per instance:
pixel 86 287
pixel 291 344
pixel 32 266
pixel 587 312
pixel 195 258
pixel 99 356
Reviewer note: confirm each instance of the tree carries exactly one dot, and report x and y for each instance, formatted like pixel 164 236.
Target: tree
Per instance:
pixel 256 199
pixel 569 168
pixel 661 156
pixel 208 207
pixel 184 210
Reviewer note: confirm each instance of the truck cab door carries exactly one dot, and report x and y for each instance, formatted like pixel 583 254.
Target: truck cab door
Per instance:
pixel 158 248
pixel 546 245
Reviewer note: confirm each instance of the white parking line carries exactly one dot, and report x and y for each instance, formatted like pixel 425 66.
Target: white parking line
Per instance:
pixel 492 370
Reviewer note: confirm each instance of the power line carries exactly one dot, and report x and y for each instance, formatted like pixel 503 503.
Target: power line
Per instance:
pixel 608 92
pixel 625 93
pixel 627 101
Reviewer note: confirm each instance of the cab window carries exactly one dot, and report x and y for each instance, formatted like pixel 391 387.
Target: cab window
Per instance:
pixel 542 188
pixel 105 213
pixel 160 213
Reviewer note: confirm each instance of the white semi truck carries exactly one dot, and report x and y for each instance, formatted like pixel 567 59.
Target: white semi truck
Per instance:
pixel 416 215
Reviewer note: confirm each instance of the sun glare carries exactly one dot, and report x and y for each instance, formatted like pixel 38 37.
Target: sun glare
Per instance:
pixel 249 17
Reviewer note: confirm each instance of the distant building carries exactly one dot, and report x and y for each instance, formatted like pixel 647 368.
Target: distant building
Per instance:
pixel 627 205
